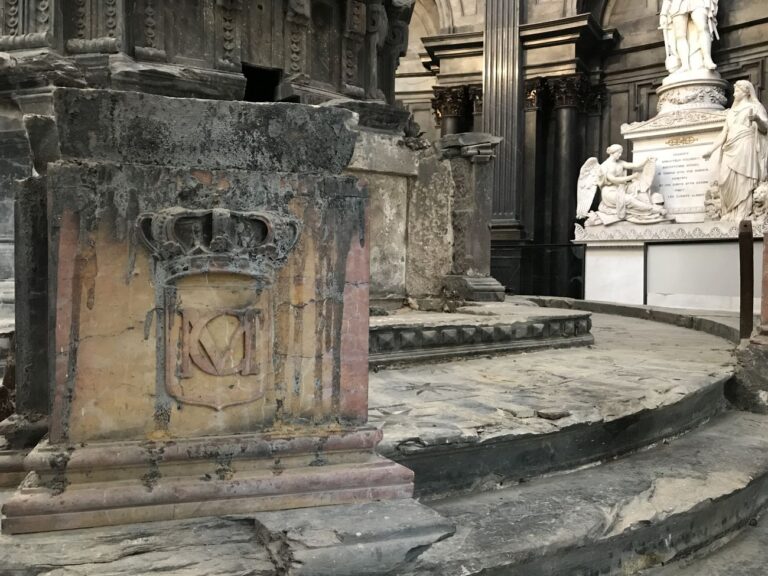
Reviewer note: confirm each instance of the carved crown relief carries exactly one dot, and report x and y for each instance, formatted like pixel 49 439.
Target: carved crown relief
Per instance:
pixel 186 242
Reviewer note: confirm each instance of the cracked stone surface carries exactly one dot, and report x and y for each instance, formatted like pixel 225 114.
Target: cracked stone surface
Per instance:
pixel 204 547
pixel 634 365
pixel 534 528
pixel 744 555
pixel 355 540
pixel 475 315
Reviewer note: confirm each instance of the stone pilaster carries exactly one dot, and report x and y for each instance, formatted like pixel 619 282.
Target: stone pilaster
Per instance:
pixel 471 157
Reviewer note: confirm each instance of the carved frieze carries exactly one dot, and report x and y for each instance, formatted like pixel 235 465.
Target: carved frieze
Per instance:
pixel 354 38
pixel 26 24
pixel 187 242
pixel 152 24
pixel 228 23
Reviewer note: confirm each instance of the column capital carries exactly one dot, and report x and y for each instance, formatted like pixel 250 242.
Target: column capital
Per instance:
pixel 450 101
pixel 569 91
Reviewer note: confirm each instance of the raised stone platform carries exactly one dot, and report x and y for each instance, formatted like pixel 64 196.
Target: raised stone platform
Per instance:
pixel 496 421
pixel 409 336
pixel 490 421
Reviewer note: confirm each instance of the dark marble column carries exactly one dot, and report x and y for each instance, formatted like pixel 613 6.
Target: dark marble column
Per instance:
pixel 536 199
pixel 475 94
pixel 568 94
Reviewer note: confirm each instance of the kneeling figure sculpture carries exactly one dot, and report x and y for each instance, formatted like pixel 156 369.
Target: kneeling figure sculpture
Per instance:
pixel 623 196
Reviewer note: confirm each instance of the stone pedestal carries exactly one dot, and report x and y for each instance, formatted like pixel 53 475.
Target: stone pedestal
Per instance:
pixel 208 288
pixel 470 155
pixel 692 90
pixel 678 139
pixel 671 265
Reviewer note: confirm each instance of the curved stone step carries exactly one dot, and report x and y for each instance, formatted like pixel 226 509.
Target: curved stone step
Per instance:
pixel 619 518
pixel 476 424
pixel 412 337
pixel 743 555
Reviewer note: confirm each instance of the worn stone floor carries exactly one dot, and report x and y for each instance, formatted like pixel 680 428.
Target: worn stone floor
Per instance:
pixel 634 365
pixel 744 555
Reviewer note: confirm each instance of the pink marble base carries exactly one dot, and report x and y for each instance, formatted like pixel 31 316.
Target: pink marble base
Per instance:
pixel 123 483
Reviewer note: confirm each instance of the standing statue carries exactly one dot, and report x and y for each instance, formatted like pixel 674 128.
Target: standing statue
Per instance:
pixel 743 162
pixel 623 197
pixel 689 28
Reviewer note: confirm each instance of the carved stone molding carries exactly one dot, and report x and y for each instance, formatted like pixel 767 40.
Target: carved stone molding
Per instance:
pixel 389 345
pixel 717 230
pixel 678 119
pixel 354 37
pixel 229 34
pixel 705 95
pixel 569 91
pixel 187 242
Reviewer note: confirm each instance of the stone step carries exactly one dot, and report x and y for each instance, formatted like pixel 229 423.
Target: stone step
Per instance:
pixel 480 424
pixel 618 518
pixel 742 555
pixel 413 337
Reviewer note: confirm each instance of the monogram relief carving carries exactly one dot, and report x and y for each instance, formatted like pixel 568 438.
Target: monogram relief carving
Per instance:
pixel 227 354
pixel 216 358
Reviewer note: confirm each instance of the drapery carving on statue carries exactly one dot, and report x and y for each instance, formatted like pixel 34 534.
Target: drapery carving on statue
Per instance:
pixel 623 197
pixel 742 162
pixel 689 27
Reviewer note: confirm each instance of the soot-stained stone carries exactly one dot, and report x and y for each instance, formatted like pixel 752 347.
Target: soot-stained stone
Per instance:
pixel 137 128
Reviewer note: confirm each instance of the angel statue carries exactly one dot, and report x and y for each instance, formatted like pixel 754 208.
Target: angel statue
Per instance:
pixel 623 197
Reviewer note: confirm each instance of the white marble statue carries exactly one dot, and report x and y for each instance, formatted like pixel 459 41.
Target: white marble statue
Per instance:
pixel 623 196
pixel 689 28
pixel 743 160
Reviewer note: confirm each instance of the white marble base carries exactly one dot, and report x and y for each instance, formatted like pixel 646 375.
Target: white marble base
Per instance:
pixel 615 274
pixel 692 266
pixel 678 140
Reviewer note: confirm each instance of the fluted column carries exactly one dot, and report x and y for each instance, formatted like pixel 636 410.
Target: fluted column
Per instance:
pixel 502 97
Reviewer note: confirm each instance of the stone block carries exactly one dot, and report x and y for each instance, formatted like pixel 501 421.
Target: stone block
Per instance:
pixel 430 233
pixel 138 128
pixel 208 290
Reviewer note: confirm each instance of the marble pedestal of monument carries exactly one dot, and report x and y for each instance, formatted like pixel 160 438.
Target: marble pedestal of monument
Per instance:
pixel 693 266
pixel 208 287
pixel 470 156
pixel 678 139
